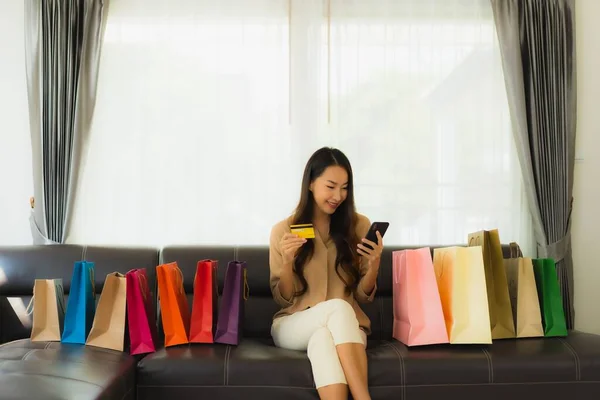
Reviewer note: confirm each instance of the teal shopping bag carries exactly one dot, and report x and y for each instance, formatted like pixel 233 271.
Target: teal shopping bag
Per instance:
pixel 81 306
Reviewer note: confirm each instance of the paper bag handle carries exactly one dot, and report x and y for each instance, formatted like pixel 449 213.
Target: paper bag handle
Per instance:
pixel 246 286
pixel 143 282
pixel 396 256
pixel 93 282
pixel 515 250
pixel 180 283
pixel 476 239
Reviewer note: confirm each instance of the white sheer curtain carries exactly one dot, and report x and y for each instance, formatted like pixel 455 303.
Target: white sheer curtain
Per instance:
pixel 207 111
pixel 16 181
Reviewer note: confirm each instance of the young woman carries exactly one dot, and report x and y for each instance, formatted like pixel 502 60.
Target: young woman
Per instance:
pixel 319 282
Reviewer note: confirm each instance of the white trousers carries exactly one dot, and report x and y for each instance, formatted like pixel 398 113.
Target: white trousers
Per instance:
pixel 318 330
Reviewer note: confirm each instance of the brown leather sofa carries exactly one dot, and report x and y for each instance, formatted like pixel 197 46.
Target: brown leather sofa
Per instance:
pixel 550 369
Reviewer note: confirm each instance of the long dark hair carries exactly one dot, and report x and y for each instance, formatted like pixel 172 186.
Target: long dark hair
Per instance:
pixel 342 228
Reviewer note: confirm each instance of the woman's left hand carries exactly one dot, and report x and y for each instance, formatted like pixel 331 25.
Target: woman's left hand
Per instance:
pixel 374 255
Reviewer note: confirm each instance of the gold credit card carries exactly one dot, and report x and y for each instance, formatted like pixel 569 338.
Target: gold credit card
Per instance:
pixel 305 231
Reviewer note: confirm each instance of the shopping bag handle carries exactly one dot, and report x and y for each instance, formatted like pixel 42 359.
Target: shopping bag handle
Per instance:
pixel 246 286
pixel 93 282
pixel 143 282
pixel 515 250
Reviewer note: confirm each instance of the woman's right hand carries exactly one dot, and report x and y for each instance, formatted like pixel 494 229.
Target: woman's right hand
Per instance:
pixel 289 245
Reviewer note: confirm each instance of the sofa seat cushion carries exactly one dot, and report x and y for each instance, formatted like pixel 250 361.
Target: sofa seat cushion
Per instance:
pixel 254 367
pixel 550 368
pixel 51 370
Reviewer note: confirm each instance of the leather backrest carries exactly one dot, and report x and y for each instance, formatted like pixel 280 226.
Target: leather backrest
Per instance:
pixel 21 265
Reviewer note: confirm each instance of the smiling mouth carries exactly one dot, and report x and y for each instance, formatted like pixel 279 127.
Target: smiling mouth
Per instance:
pixel 333 205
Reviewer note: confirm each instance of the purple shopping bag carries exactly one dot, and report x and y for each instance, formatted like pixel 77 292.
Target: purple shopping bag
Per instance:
pixel 143 335
pixel 231 313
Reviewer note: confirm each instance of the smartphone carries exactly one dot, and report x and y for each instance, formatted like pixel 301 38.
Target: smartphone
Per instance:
pixel 372 233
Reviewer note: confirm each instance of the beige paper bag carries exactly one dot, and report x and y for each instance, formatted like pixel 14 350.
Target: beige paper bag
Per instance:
pixel 461 283
pixel 108 329
pixel 523 295
pixel 501 315
pixel 48 307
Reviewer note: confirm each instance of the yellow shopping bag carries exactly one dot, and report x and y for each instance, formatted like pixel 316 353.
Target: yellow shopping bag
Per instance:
pixel 461 282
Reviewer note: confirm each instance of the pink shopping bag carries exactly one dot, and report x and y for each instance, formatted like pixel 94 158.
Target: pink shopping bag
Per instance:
pixel 143 333
pixel 418 314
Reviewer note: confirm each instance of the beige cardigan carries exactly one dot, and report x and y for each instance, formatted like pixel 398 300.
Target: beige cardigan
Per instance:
pixel 323 281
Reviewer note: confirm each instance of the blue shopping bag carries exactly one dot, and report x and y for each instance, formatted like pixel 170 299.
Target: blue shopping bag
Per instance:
pixel 81 306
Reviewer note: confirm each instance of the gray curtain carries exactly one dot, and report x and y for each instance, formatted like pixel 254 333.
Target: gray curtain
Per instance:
pixel 62 44
pixel 537 42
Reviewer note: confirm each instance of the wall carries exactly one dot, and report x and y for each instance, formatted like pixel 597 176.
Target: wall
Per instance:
pixel 586 212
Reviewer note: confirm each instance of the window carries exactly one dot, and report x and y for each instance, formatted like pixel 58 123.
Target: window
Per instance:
pixel 208 110
pixel 16 179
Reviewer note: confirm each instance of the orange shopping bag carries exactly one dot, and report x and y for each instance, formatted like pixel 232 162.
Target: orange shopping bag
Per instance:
pixel 174 308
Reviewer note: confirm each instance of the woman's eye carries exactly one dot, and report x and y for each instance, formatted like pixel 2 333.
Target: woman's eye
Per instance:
pixel 330 187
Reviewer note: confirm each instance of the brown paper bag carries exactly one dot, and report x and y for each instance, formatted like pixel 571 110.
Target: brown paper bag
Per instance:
pixel 523 294
pixel 501 316
pixel 108 329
pixel 48 307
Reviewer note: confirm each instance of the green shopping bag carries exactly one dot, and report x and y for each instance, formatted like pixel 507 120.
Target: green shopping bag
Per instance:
pixel 551 305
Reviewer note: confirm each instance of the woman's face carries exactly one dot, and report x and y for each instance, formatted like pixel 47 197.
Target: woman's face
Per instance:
pixel 330 189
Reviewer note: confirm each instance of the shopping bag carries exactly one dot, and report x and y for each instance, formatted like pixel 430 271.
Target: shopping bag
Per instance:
pixel 204 306
pixel 174 308
pixel 461 283
pixel 81 306
pixel 418 314
pixel 501 316
pixel 141 319
pixel 108 329
pixel 523 294
pixel 230 322
pixel 551 305
pixel 48 308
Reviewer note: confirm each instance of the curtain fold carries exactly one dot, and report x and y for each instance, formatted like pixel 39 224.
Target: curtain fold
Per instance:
pixel 537 42
pixel 63 39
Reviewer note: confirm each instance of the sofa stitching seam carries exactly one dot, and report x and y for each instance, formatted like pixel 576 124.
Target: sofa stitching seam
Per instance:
pixel 381 315
pixel 227 352
pixel 27 354
pixel 576 356
pixel 126 394
pixel 402 372
pixel 391 386
pixel 490 364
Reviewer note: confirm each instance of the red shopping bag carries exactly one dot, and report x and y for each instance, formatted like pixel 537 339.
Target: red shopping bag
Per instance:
pixel 204 308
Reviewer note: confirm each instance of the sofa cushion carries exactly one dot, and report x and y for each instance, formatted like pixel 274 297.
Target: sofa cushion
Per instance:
pixel 255 365
pixel 51 370
pixel 550 367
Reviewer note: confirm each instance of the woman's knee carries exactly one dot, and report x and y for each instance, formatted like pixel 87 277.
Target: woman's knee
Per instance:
pixel 342 312
pixel 321 342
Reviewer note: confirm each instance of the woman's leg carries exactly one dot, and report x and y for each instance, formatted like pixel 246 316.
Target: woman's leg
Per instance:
pixel 353 358
pixel 327 370
pixel 338 317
